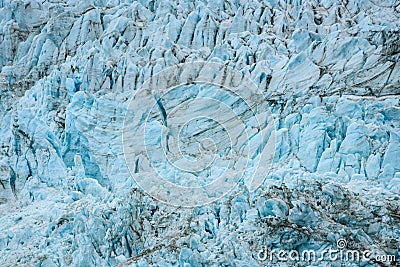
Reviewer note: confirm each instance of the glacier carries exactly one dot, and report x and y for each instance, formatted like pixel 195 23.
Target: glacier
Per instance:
pixel 74 191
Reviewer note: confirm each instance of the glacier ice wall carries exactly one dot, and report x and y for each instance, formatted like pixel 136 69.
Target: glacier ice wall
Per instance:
pixel 329 71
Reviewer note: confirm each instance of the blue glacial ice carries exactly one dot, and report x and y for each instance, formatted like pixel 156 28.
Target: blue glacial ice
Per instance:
pixel 328 74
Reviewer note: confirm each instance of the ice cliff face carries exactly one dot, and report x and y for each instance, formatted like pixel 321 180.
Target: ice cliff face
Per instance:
pixel 329 72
